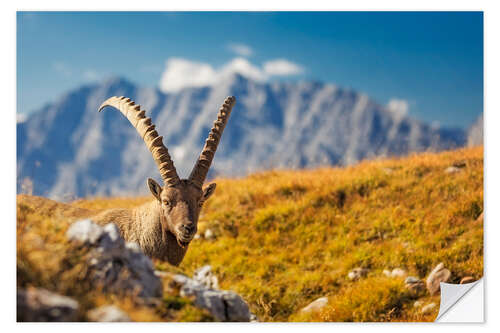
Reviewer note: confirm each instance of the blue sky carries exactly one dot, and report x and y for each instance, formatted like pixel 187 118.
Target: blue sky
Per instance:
pixel 430 63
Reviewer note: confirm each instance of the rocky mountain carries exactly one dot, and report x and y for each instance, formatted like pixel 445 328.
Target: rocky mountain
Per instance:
pixel 67 149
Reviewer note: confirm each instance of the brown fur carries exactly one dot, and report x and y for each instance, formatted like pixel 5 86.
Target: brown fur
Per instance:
pixel 142 224
pixel 164 228
pixel 159 226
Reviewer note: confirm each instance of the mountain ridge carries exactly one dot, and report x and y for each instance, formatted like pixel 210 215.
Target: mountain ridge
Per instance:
pixel 68 149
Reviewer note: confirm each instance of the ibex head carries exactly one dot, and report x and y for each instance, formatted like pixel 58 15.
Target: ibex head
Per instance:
pixel 180 199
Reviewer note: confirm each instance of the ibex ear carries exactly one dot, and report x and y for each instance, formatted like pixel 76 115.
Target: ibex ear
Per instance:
pixel 155 188
pixel 208 191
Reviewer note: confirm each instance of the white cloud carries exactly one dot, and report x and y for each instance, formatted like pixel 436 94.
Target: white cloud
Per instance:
pixel 282 67
pixel 399 106
pixel 180 73
pixel 240 49
pixel 244 67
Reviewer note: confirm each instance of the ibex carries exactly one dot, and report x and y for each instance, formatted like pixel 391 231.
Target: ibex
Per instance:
pixel 165 226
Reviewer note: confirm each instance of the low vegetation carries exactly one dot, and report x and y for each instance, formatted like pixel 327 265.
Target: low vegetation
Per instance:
pixel 282 239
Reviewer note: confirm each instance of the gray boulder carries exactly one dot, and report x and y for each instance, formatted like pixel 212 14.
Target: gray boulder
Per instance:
pixel 414 284
pixel 224 305
pixel 42 305
pixel 114 265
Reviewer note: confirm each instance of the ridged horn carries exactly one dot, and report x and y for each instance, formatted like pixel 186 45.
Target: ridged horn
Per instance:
pixel 146 130
pixel 203 163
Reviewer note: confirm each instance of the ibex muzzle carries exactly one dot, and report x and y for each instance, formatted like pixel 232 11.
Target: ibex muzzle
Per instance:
pixel 175 212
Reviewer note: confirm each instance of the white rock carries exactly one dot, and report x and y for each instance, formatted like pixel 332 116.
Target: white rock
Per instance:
pixel 428 308
pixel 387 273
pixel 110 238
pixel 84 231
pixel 112 231
pixel 398 272
pixel 133 246
pixel 205 276
pixel 209 234
pixel 43 305
pixel 108 313
pixel 316 305
pixel 452 169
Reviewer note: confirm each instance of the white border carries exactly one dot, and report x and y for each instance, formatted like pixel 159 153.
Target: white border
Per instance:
pixel 8 169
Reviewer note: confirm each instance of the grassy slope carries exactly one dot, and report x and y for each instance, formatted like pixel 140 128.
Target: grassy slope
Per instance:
pixel 285 238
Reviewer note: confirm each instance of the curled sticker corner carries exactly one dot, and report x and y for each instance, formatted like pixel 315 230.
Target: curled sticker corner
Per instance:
pixel 451 294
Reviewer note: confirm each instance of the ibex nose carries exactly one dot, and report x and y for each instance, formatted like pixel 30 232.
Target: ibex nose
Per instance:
pixel 190 228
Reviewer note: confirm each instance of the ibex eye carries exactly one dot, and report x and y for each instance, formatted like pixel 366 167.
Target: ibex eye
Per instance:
pixel 166 202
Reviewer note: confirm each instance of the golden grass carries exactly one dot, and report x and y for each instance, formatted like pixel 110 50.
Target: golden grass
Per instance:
pixel 285 238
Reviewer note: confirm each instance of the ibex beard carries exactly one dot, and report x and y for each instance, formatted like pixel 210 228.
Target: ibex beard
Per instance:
pixel 164 227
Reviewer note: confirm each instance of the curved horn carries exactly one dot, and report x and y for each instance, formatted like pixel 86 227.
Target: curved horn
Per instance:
pixel 201 167
pixel 146 130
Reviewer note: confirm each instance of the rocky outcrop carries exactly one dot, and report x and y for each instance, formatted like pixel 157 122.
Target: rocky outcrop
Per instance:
pixel 120 268
pixel 42 305
pixel 114 265
pixel 223 305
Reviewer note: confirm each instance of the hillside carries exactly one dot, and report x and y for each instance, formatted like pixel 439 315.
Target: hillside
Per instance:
pixel 285 238
pixel 69 150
